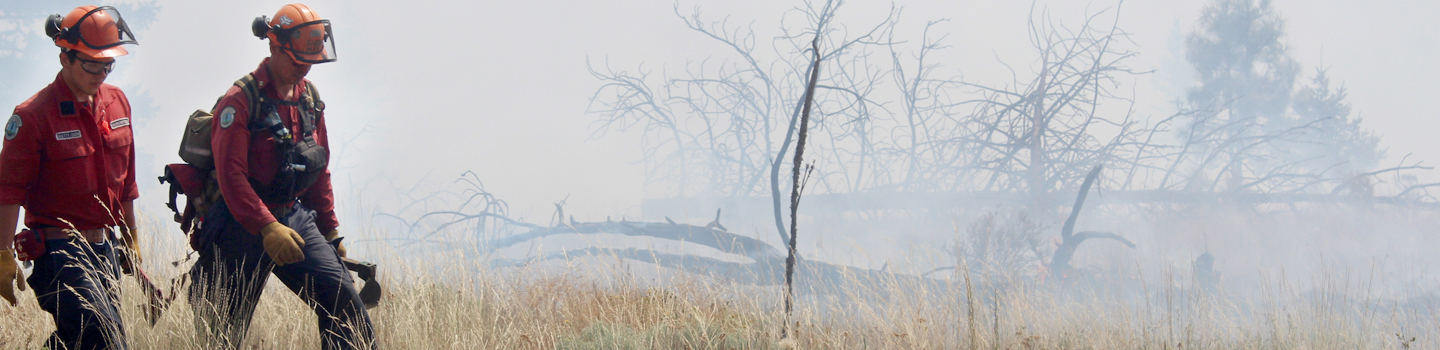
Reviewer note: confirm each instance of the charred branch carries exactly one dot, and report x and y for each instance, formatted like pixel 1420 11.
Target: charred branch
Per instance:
pixel 1060 262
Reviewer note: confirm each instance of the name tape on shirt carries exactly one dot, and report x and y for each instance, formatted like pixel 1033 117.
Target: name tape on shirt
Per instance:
pixel 67 135
pixel 119 123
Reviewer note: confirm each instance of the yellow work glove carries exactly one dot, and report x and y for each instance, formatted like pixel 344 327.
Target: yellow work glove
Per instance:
pixel 339 246
pixel 132 241
pixel 282 243
pixel 10 275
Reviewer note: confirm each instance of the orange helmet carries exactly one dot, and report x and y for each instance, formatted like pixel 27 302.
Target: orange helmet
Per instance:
pixel 95 31
pixel 300 32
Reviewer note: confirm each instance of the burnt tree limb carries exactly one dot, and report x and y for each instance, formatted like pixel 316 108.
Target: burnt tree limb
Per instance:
pixel 1060 262
pixel 1069 242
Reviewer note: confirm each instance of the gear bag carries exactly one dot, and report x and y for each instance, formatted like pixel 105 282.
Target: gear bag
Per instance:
pixel 195 143
pixel 29 245
pixel 303 159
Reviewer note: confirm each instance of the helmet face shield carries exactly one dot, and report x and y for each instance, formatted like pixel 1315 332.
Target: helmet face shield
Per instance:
pixel 310 42
pixel 99 29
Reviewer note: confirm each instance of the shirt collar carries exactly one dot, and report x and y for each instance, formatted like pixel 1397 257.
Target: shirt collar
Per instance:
pixel 262 77
pixel 62 94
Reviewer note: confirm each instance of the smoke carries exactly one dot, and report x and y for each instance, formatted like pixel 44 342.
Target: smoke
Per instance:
pixel 426 90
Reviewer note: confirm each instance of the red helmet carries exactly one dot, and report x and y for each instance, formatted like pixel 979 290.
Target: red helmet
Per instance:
pixel 95 31
pixel 300 32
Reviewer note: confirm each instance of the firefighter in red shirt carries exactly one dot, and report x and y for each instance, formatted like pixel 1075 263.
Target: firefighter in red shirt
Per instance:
pixel 69 159
pixel 277 214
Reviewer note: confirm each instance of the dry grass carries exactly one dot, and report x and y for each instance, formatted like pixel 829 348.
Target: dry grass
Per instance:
pixel 602 303
pixel 557 309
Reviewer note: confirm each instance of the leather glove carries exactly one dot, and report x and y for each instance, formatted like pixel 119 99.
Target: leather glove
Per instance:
pixel 132 242
pixel 10 275
pixel 339 246
pixel 282 243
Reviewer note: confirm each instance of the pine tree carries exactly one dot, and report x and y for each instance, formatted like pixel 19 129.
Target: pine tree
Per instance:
pixel 1246 76
pixel 1335 143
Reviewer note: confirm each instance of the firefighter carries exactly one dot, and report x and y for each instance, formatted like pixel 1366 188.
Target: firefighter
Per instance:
pixel 277 212
pixel 69 160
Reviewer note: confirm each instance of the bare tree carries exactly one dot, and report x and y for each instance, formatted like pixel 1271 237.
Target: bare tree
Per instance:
pixel 1037 135
pixel 894 124
pixel 725 127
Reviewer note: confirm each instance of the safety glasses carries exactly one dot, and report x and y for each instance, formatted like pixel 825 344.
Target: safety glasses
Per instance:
pixel 93 67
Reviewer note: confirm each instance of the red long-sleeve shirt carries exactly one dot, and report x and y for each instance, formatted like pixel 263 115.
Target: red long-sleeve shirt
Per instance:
pixel 242 157
pixel 69 162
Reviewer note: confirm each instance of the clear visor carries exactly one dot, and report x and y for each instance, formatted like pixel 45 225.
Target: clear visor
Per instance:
pixel 309 42
pixel 103 28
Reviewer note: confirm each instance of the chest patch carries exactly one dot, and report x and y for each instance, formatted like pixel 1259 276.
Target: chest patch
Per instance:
pixel 67 135
pixel 227 117
pixel 119 123
pixel 12 127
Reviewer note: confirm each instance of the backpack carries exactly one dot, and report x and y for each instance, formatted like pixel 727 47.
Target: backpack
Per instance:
pixel 195 178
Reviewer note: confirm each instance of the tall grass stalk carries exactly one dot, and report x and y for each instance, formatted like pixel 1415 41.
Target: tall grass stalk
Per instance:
pixel 554 306
pixel 441 301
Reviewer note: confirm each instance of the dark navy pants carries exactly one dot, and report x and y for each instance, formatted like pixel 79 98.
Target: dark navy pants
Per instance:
pixel 78 284
pixel 230 275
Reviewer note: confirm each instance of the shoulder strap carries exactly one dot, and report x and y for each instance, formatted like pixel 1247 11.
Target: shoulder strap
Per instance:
pixel 252 94
pixel 314 96
pixel 311 105
pixel 312 108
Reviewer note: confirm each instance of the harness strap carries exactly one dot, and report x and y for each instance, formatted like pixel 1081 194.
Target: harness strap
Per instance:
pixel 309 106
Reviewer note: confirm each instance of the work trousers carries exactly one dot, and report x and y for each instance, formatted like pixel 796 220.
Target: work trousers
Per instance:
pixel 230 275
pixel 78 283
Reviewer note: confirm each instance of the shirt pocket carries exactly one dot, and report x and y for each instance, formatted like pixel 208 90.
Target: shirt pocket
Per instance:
pixel 69 150
pixel 117 157
pixel 70 167
pixel 119 137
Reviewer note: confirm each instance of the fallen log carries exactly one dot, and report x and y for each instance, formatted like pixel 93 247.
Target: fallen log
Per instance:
pixel 766 267
pixel 812 276
pixel 723 241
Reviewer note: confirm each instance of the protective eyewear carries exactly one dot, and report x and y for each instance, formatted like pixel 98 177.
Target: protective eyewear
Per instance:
pixel 93 67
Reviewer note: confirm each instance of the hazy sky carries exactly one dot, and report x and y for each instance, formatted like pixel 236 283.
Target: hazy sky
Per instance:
pixel 435 88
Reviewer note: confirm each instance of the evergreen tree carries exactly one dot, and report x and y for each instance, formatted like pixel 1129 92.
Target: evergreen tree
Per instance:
pixel 1241 59
pixel 1251 122
pixel 1245 76
pixel 1335 143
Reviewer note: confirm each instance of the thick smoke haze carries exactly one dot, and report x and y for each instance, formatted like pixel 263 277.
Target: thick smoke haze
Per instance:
pixel 426 90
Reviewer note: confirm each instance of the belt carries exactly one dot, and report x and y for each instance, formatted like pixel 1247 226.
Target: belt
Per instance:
pixel 95 235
